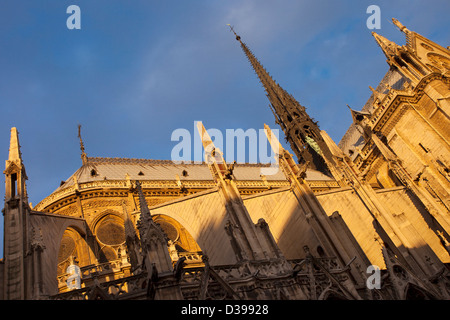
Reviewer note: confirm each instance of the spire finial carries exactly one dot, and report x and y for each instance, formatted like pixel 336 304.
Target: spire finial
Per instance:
pixel 400 25
pixel 238 38
pixel 83 154
pixel 14 147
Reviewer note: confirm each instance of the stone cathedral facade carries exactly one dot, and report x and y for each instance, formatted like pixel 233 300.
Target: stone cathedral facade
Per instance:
pixel 152 229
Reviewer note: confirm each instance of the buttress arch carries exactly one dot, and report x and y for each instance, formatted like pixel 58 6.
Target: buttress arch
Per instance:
pixel 73 249
pixel 180 242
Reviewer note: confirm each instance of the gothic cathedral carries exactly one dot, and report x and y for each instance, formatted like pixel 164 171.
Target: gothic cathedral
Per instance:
pixel 365 219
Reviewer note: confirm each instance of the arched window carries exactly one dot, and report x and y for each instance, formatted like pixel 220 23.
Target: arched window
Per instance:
pixel 308 132
pixel 110 235
pixel 181 243
pixel 72 247
pixel 320 251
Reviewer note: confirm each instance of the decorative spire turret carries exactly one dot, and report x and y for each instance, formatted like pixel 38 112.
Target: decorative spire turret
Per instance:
pixel 411 60
pixel 156 258
pixel 390 49
pixel 132 241
pixel 15 170
pixel 301 131
pixel 142 202
pixel 16 224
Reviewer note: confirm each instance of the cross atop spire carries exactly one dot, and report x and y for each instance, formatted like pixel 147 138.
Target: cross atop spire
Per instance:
pixel 84 157
pixel 237 37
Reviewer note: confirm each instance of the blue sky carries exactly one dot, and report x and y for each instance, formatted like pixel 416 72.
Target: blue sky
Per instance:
pixel 137 70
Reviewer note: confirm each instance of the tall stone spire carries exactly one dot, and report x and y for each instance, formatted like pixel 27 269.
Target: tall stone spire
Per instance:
pixel 155 253
pixel 301 131
pixel 15 221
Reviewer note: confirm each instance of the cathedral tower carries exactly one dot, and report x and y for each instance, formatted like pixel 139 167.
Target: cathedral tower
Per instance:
pixel 16 229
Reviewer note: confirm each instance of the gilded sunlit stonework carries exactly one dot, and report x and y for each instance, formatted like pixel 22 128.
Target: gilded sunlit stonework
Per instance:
pixel 153 229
